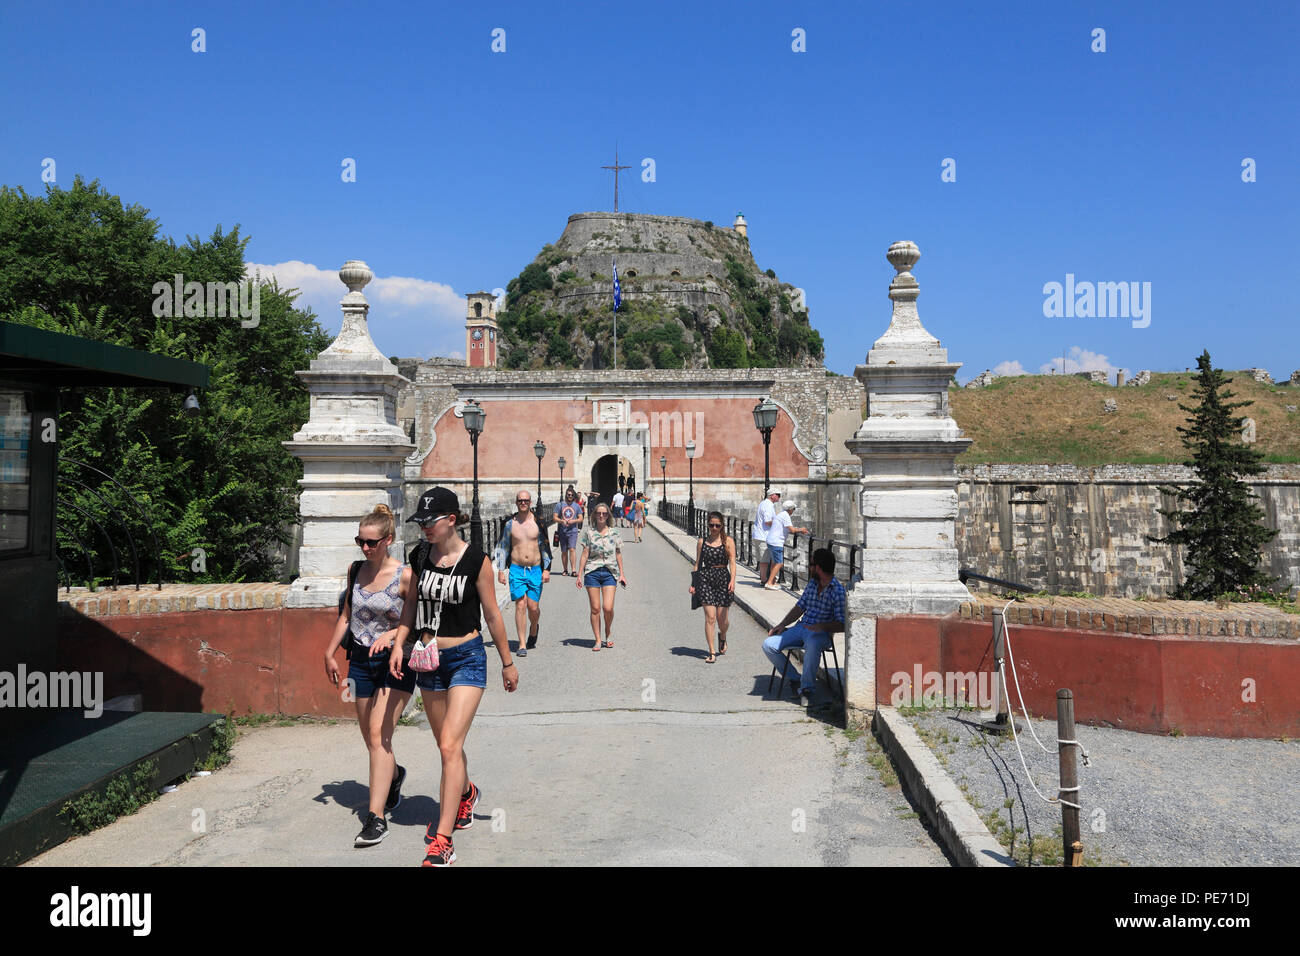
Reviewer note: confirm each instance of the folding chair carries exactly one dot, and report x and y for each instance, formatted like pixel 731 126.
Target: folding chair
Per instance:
pixel 786 668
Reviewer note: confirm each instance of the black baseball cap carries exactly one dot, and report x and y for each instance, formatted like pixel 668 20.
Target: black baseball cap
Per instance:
pixel 434 503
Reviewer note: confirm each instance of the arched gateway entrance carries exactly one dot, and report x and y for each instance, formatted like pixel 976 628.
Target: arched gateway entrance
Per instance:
pixel 605 472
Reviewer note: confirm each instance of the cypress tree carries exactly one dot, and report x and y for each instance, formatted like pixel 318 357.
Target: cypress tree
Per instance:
pixel 1222 530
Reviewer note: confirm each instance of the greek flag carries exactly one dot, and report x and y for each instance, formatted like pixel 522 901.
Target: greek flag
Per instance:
pixel 618 297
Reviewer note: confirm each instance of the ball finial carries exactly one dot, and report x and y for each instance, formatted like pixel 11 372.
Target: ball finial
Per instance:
pixel 355 274
pixel 903 255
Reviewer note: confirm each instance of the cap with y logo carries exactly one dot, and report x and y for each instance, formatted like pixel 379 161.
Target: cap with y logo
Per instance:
pixel 434 503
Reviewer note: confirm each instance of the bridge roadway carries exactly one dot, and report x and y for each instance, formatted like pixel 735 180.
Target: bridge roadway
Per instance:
pixel 637 755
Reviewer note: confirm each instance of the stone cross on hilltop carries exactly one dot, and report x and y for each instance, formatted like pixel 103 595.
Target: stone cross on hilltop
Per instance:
pixel 616 167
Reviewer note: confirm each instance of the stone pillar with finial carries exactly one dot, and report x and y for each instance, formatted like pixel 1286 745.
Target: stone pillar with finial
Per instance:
pixel 908 446
pixel 351 447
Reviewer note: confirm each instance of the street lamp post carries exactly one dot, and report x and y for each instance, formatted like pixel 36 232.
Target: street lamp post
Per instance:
pixel 539 450
pixel 561 463
pixel 765 415
pixel 474 416
pixel 663 470
pixel 690 486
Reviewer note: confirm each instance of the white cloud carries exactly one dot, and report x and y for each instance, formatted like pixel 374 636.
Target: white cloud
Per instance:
pixel 1081 360
pixel 1004 369
pixel 409 316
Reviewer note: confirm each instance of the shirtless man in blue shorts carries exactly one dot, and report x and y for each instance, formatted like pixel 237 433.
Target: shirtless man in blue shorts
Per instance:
pixel 523 540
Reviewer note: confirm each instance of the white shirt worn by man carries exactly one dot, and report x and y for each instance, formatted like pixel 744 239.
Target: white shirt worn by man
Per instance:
pixel 781 526
pixel 618 501
pixel 763 519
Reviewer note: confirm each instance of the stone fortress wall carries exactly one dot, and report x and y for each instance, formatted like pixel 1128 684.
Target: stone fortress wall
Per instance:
pixel 1056 527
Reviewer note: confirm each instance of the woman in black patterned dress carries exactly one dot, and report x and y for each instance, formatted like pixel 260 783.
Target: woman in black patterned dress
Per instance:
pixel 715 559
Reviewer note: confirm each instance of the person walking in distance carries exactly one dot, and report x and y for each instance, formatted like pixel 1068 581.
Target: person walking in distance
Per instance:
pixel 617 508
pixel 370 614
pixel 763 519
pixel 568 518
pixel 602 554
pixel 450 597
pixel 715 560
pixel 782 525
pixel 523 548
pixel 638 515
pixel 821 607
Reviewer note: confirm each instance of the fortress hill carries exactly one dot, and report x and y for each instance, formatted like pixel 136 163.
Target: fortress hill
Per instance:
pixel 703 336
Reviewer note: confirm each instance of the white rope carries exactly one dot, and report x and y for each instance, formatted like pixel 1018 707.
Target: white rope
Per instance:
pixel 1006 636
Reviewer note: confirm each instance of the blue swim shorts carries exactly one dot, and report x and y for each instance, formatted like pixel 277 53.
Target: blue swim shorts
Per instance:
pixel 525 581
pixel 776 555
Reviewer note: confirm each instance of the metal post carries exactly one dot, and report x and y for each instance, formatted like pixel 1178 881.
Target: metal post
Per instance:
pixel 767 444
pixel 1001 722
pixel 1067 757
pixel 475 532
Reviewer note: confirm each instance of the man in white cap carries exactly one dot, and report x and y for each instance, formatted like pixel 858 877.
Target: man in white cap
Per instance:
pixel 782 525
pixel 763 519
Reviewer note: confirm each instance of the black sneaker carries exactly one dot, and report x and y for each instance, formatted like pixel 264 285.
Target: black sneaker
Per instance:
pixel 395 790
pixel 532 639
pixel 440 852
pixel 373 832
pixel 465 815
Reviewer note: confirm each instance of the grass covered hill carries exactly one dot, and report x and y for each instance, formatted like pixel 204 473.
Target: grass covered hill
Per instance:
pixel 1051 419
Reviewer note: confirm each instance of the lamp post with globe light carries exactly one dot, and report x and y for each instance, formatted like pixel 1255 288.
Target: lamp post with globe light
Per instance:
pixel 474 416
pixel 765 415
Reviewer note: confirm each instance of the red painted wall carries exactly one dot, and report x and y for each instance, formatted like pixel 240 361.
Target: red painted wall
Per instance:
pixel 728 445
pixel 1151 683
pixel 264 661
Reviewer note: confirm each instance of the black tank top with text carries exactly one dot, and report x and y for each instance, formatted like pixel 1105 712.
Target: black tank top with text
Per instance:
pixel 448 601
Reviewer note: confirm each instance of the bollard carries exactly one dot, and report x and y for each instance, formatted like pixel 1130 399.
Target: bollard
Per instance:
pixel 1001 722
pixel 1067 755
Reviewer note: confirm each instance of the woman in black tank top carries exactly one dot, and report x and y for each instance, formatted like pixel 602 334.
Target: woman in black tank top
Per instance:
pixel 452 591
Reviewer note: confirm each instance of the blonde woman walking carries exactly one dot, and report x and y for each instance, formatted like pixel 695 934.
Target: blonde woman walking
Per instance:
pixel 602 555
pixel 371 612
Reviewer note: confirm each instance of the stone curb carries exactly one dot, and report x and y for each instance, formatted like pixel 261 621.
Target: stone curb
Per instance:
pixel 946 807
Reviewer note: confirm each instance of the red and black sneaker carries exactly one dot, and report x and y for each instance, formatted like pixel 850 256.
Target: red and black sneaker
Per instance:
pixel 465 815
pixel 440 852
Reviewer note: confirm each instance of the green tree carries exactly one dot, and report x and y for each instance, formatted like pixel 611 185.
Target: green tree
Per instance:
pixel 727 349
pixel 1222 528
pixel 79 261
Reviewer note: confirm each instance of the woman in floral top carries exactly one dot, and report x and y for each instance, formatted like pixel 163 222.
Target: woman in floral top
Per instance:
pixel 602 555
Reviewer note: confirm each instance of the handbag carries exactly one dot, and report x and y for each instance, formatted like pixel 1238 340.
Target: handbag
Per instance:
pixel 349 642
pixel 424 655
pixel 696 603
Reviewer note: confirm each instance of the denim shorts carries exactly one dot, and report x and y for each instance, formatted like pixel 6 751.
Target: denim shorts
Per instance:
pixel 464 665
pixel 369 675
pixel 776 555
pixel 600 578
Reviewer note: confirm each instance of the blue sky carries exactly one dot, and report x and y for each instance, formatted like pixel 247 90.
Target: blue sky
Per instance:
pixel 1115 166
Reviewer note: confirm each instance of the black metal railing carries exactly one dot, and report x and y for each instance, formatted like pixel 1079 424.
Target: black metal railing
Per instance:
pixel 107 514
pixel 738 528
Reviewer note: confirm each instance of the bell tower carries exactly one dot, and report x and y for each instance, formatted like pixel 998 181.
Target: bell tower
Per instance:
pixel 481 330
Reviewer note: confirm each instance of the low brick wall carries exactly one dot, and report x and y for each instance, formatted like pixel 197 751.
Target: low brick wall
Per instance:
pixel 1156 667
pixel 218 647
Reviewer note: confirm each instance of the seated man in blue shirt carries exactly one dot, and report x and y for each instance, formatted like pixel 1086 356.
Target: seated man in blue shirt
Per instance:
pixel 822 608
